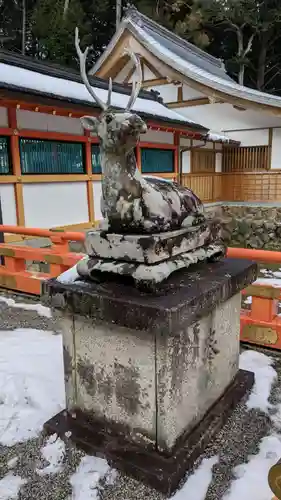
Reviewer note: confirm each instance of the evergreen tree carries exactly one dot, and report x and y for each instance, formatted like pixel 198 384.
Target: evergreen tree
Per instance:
pixel 12 23
pixel 244 33
pixel 53 29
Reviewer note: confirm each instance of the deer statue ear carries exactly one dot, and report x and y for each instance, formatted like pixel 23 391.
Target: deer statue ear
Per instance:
pixel 90 123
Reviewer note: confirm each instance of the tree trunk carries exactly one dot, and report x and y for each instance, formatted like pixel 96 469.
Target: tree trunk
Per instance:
pixel 241 74
pixel 23 42
pixel 65 8
pixel 118 13
pixel 262 60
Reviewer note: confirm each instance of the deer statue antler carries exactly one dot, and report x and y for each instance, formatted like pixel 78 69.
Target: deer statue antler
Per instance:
pixel 136 86
pixel 82 60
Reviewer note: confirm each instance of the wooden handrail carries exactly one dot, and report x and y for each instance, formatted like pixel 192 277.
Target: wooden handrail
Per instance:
pixel 13 272
pixel 43 233
pixel 253 254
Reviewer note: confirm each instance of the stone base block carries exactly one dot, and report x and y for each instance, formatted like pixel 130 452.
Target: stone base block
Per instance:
pixel 161 471
pixel 146 248
pixel 148 276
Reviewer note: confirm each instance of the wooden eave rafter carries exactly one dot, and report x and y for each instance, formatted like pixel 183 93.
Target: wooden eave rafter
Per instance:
pixel 216 96
pixel 116 61
pixel 187 103
pixel 156 82
pixel 108 69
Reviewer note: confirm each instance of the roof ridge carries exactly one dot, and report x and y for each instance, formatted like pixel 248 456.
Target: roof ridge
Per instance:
pixel 132 13
pixel 70 74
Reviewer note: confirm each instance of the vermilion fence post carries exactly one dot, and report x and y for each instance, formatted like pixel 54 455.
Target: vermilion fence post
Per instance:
pixel 15 276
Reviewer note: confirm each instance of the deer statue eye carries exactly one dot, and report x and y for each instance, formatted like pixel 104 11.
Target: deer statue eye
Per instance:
pixel 109 118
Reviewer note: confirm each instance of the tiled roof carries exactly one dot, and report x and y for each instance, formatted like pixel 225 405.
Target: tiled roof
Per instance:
pixel 31 77
pixel 185 58
pixel 178 45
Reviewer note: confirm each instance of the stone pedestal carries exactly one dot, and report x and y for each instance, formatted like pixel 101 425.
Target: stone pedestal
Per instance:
pixel 151 378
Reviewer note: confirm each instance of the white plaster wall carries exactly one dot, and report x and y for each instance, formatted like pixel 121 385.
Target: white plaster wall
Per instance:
pixel 3 117
pixel 276 149
pixel 218 145
pixel 32 120
pixel 186 162
pixel 189 93
pixel 169 92
pixel 97 198
pixel 224 117
pixel 218 162
pixel 55 204
pixel 158 137
pixel 8 204
pixel 147 73
pixel 184 141
pixel 251 137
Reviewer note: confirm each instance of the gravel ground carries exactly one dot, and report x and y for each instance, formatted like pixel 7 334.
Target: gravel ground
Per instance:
pixel 238 439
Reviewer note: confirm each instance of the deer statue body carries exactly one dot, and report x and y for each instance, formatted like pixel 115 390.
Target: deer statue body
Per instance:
pixel 130 202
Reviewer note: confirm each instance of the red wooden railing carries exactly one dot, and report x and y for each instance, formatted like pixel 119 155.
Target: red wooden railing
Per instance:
pixel 260 324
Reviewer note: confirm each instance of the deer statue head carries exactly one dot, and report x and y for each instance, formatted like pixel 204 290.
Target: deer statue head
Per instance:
pixel 118 132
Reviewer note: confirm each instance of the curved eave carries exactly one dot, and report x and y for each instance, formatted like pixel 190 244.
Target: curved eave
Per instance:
pixel 212 86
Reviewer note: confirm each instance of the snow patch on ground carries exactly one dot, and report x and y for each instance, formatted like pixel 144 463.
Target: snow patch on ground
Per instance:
pixel 265 375
pixel 85 481
pixel 54 453
pixel 198 483
pixel 10 486
pixel 31 382
pixel 251 477
pixel 39 308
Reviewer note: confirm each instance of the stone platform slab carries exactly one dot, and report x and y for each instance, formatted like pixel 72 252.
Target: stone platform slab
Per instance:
pixel 146 249
pixel 147 277
pixel 162 472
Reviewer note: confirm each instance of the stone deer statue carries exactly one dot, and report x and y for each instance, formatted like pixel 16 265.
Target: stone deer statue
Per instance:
pixel 130 202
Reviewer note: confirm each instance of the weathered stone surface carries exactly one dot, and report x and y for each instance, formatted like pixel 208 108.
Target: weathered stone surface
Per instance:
pixel 160 471
pixel 251 226
pixel 183 299
pixel 194 369
pixel 147 249
pixel 150 276
pixel 155 377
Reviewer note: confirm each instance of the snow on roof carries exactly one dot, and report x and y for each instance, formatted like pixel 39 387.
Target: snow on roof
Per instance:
pixel 30 80
pixel 202 76
pixel 218 137
pixel 178 45
pixel 184 58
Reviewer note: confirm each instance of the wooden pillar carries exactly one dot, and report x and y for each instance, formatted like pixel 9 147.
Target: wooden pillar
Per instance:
pixel 177 158
pixel 16 166
pixel 138 156
pixel 90 195
pixel 270 135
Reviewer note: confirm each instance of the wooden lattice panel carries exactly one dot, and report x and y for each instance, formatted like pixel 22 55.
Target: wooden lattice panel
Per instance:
pixel 245 159
pixel 247 186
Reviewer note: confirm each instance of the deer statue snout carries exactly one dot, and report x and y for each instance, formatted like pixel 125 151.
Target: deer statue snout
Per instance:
pixel 136 123
pixel 131 127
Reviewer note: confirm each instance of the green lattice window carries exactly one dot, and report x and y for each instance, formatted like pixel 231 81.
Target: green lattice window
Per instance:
pixel 51 157
pixel 96 165
pixel 157 160
pixel 5 165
